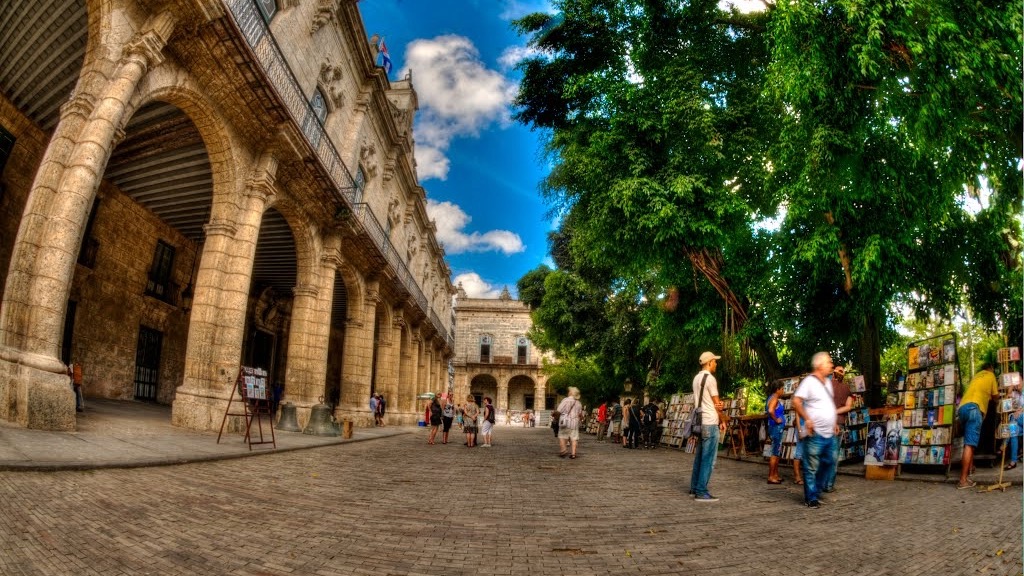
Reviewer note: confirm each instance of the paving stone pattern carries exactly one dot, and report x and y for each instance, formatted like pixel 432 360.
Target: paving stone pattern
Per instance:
pixel 398 506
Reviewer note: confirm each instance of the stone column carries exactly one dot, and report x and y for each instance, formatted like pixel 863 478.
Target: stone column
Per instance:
pixel 406 372
pixel 502 398
pixel 356 368
pixel 217 321
pixel 308 339
pixel 34 389
pixel 539 394
pixel 388 349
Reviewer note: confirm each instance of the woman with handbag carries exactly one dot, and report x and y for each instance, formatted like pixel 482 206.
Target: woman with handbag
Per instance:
pixel 570 415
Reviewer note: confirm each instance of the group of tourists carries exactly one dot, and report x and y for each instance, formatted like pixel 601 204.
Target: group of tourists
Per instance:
pixel 631 424
pixel 442 412
pixel 377 407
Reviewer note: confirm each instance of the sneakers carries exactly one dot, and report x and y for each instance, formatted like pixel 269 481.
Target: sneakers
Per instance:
pixel 813 504
pixel 706 498
pixel 829 490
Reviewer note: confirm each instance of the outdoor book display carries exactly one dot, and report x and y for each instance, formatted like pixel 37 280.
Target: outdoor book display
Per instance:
pixel 929 397
pixel 251 388
pixel 679 408
pixel 790 434
pixel 1009 378
pixel 734 410
pixel 854 433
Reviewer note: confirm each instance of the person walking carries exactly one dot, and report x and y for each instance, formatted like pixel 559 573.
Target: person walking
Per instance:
pixel 776 412
pixel 615 421
pixel 625 421
pixel 373 409
pixel 571 413
pixel 813 401
pixel 705 392
pixel 634 414
pixel 470 411
pixel 602 420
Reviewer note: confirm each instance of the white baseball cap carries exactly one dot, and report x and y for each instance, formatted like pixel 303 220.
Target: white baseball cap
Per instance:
pixel 708 357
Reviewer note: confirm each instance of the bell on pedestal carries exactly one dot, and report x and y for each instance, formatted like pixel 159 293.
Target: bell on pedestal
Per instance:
pixel 320 422
pixel 289 418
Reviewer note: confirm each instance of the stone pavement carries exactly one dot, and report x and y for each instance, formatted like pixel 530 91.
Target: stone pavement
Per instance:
pixel 395 505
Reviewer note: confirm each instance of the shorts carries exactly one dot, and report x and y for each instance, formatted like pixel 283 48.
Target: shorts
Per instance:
pixel 798 452
pixel 970 418
pixel 487 427
pixel 568 433
pixel 615 428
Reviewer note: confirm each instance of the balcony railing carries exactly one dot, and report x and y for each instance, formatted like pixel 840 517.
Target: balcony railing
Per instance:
pixel 249 23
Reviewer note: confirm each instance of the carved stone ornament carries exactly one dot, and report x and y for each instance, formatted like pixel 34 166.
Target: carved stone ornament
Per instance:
pixel 326 11
pixel 368 158
pixel 330 79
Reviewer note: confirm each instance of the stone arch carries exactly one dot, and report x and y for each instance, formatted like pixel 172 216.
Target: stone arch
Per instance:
pixel 520 388
pixel 308 246
pixel 484 384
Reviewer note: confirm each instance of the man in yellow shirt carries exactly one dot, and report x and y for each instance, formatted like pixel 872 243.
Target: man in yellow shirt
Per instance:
pixel 971 414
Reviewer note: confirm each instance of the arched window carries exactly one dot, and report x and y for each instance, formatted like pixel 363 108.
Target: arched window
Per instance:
pixel 522 350
pixel 319 105
pixel 485 349
pixel 267 9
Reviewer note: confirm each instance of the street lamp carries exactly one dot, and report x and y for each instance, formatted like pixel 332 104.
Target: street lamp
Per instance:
pixel 628 385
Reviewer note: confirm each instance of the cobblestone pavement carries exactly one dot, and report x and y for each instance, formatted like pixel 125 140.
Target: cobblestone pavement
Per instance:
pixel 398 506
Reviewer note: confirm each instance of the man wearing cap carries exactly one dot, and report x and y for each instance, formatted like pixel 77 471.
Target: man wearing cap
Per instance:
pixel 813 401
pixel 712 427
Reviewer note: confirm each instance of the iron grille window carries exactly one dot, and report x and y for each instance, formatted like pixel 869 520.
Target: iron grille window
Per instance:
pixel 522 350
pixel 267 9
pixel 159 282
pixel 6 147
pixel 319 105
pixel 485 349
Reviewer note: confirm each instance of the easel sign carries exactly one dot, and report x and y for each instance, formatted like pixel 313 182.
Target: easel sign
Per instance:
pixel 251 386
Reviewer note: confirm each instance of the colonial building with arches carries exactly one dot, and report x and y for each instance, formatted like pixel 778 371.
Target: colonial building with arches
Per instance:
pixel 494 357
pixel 191 186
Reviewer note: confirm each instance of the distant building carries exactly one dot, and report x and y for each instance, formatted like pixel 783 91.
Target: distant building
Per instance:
pixel 191 186
pixel 494 356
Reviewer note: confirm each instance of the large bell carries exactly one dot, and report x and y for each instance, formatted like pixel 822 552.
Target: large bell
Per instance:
pixel 288 421
pixel 321 423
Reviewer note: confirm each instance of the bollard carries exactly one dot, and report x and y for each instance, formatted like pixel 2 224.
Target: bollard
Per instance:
pixel 346 429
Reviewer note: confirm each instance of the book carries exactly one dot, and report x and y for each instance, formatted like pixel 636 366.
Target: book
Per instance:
pixel 857 384
pixel 948 374
pixel 1005 405
pixel 912 357
pixel 1008 379
pixel 948 350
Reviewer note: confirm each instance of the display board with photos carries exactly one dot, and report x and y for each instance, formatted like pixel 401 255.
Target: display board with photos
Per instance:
pixel 1009 383
pixel 790 434
pixel 929 397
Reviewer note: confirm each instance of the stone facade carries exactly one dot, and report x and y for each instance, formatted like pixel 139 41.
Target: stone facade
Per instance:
pixel 201 185
pixel 494 357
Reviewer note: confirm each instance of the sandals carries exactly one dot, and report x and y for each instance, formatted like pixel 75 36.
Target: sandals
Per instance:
pixel 563 454
pixel 770 481
pixel 1010 466
pixel 798 482
pixel 969 484
pixel 572 457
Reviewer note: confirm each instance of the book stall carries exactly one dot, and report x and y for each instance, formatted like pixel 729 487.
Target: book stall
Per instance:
pixel 677 412
pixel 1007 405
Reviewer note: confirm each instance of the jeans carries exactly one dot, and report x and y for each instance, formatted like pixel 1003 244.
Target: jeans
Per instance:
pixel 817 465
pixel 704 460
pixel 1015 438
pixel 830 482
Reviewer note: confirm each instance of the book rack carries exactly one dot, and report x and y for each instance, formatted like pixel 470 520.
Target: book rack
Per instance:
pixel 1008 405
pixel 929 395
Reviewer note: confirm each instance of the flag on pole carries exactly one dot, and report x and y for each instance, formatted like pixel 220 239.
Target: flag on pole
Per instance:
pixel 382 49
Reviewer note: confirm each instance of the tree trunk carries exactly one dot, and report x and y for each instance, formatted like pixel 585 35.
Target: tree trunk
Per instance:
pixel 869 360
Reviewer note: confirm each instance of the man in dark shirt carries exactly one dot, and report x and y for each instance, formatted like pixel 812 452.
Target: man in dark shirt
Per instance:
pixel 844 403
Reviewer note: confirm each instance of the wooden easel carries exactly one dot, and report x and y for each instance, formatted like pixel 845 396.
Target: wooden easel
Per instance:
pixel 251 388
pixel 1004 418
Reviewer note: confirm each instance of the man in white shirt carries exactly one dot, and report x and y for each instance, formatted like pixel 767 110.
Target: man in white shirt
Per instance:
pixel 713 427
pixel 813 401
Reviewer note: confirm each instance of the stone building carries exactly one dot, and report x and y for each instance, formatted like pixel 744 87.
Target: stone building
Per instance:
pixel 192 186
pixel 494 357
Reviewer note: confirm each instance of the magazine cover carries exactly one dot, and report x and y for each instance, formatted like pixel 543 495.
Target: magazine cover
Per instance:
pixel 893 429
pixel 875 455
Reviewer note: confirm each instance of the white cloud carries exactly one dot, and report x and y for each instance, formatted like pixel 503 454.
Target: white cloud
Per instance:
pixel 475 286
pixel 451 222
pixel 515 54
pixel 458 95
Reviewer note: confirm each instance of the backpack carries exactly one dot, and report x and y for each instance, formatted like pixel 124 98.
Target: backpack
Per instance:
pixel 617 412
pixel 650 412
pixel 489 413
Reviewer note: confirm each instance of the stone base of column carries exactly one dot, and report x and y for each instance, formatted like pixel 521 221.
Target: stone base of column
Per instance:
pixel 359 418
pixel 205 413
pixel 36 398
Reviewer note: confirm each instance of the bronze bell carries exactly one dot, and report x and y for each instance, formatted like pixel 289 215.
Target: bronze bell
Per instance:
pixel 289 418
pixel 321 423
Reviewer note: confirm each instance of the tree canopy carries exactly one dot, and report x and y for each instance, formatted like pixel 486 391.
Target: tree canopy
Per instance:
pixel 788 178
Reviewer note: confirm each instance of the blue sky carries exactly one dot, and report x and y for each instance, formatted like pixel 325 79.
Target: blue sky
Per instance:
pixel 480 169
